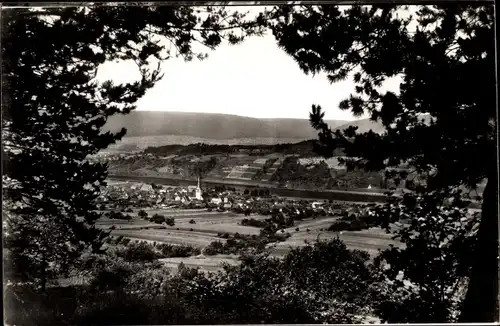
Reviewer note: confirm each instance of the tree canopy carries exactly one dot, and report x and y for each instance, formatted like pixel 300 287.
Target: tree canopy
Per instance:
pixel 54 109
pixel 441 121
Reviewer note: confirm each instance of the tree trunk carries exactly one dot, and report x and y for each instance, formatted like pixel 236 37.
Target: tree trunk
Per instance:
pixel 43 275
pixel 481 300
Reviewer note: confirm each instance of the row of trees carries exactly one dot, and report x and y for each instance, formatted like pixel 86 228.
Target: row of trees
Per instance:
pixel 258 192
pixel 444 56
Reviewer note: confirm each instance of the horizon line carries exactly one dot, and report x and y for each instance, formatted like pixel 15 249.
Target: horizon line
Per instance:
pixel 236 115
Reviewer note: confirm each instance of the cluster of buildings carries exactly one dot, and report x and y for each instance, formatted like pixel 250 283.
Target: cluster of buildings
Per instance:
pixel 125 194
pixel 149 196
pixel 143 194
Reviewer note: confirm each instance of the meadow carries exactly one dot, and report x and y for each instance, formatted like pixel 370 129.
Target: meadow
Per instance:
pixel 199 227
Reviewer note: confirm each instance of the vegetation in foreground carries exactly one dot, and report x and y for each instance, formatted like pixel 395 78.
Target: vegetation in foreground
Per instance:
pixel 323 282
pixel 299 288
pixel 54 122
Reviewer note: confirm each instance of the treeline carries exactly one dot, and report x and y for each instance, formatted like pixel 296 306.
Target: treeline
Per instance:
pixel 301 148
pixel 296 175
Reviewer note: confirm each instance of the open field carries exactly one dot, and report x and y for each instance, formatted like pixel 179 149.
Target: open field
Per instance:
pixel 196 239
pixel 370 240
pixel 204 221
pixel 205 229
pixel 209 224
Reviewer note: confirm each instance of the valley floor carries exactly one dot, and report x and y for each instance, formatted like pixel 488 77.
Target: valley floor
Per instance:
pixel 208 225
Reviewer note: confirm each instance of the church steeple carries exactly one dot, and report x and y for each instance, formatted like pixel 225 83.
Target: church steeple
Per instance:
pixel 198 192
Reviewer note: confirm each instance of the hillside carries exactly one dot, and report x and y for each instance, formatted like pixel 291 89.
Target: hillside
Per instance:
pixel 212 126
pixel 303 148
pixel 364 125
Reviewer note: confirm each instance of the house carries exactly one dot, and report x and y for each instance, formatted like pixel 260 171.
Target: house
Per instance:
pixel 216 200
pixel 146 188
pixel 316 205
pixel 136 186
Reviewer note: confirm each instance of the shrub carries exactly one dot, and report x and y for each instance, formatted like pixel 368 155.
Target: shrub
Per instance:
pixel 370 220
pixel 142 214
pixel 253 222
pixel 118 239
pixel 191 221
pixel 170 221
pixel 186 273
pixel 277 237
pixel 158 219
pixel 297 229
pixel 169 250
pixel 339 226
pixel 358 225
pixel 214 248
pixel 137 252
pixel 125 241
pixel 119 216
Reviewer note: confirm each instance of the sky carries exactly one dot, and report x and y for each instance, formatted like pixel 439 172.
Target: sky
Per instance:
pixel 254 78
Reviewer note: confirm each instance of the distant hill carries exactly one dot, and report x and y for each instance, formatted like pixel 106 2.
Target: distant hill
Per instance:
pixel 212 126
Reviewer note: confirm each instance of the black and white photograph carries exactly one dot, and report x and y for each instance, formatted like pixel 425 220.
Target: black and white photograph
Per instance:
pixel 223 163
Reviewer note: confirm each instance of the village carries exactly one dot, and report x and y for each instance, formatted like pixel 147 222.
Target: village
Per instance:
pixel 127 196
pixel 210 226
